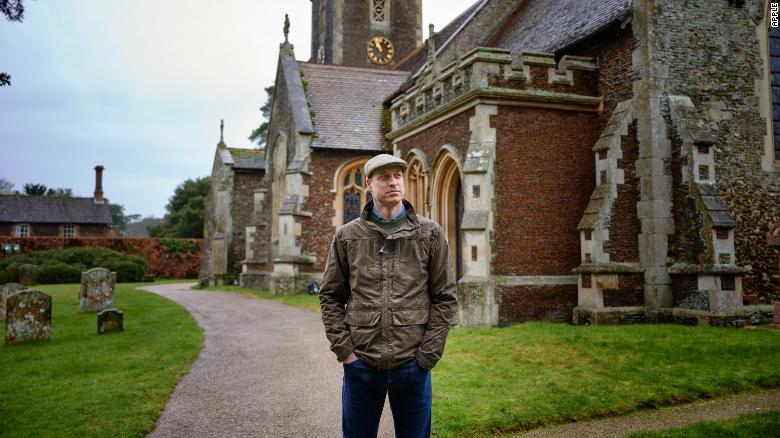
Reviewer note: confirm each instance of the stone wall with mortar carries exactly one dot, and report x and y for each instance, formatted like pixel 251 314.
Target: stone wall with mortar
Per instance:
pixel 241 210
pixel 708 50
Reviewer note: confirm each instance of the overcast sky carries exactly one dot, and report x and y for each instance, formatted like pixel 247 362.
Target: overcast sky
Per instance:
pixel 140 87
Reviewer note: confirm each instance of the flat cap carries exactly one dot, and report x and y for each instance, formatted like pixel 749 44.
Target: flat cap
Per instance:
pixel 382 160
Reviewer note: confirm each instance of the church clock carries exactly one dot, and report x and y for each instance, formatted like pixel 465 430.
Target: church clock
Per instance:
pixel 380 50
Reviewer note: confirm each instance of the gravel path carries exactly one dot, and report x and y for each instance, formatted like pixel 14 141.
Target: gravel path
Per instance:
pixel 265 371
pixel 666 418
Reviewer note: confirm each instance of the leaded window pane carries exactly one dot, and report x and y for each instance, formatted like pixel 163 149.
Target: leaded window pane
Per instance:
pixel 359 178
pixel 351 205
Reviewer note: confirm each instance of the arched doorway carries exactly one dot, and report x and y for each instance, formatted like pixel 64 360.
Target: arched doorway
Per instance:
pixel 447 205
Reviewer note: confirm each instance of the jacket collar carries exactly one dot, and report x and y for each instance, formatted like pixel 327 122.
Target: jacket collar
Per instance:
pixel 412 223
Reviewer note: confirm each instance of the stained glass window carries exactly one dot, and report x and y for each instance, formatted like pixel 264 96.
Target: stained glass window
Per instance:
pixel 351 205
pixel 351 192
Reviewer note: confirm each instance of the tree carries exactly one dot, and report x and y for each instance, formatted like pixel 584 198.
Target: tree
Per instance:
pixel 260 135
pixel 184 217
pixel 119 219
pixel 13 11
pixel 33 189
pixel 6 187
pixel 60 191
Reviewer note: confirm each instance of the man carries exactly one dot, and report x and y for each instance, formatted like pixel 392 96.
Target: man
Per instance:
pixel 388 299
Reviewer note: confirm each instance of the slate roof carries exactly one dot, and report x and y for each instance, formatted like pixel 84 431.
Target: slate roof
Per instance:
pixel 49 209
pixel 417 59
pixel 247 159
pixel 347 104
pixel 550 25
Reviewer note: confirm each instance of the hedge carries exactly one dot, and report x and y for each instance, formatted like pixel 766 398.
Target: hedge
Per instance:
pixel 66 265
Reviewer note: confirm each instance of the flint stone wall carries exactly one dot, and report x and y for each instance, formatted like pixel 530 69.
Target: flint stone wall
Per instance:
pixel 709 51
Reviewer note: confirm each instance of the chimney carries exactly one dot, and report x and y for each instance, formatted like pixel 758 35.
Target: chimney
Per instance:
pixel 99 184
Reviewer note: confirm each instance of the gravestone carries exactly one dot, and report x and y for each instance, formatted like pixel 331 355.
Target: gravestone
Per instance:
pixel 110 320
pixel 97 290
pixel 6 291
pixel 28 275
pixel 28 317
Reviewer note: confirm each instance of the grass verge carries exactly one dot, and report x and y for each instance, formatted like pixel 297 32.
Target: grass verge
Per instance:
pixel 502 380
pixel 306 301
pixel 84 384
pixel 761 424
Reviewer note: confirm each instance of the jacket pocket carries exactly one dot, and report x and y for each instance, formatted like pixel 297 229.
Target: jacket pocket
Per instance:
pixel 359 318
pixel 365 332
pixel 411 317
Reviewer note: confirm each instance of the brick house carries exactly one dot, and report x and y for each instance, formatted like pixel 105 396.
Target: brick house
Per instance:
pixel 38 216
pixel 591 162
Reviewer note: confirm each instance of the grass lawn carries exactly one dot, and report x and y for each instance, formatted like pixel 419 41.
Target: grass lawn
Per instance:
pixel 309 302
pixel 762 424
pixel 85 384
pixel 495 381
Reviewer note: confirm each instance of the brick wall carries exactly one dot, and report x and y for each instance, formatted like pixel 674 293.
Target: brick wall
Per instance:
pixel 624 226
pixel 54 230
pixel 630 292
pixel 544 178
pixel 613 49
pixel 528 303
pixel 318 230
pixel 162 262
pixel 453 131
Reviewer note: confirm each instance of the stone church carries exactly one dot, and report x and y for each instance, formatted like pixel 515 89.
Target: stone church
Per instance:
pixel 592 161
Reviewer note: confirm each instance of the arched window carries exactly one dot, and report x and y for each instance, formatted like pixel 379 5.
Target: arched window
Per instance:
pixel 380 13
pixel 417 184
pixel 351 193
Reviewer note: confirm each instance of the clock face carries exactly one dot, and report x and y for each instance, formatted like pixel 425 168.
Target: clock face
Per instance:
pixel 380 50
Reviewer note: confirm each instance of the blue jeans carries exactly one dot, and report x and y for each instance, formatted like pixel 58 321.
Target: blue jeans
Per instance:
pixel 408 387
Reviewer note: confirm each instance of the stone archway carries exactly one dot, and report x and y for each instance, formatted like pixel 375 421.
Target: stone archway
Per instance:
pixel 447 204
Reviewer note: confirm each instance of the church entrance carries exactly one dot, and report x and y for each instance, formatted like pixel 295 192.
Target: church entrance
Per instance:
pixel 448 206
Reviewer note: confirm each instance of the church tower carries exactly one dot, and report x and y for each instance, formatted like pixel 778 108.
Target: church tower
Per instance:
pixel 365 33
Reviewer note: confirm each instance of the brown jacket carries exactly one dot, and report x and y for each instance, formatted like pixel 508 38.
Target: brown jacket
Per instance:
pixel 389 298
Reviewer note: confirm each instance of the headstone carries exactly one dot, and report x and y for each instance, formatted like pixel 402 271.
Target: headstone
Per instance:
pixel 776 313
pixel 28 317
pixel 97 290
pixel 110 320
pixel 6 291
pixel 28 275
